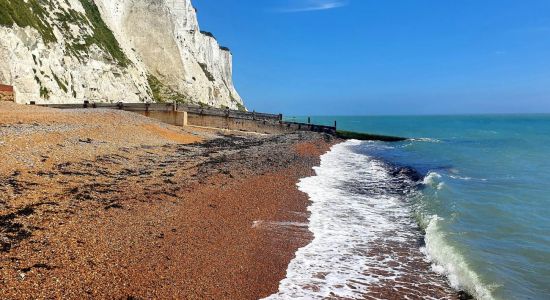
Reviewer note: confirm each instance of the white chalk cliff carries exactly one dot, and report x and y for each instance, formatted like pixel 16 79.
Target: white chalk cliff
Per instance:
pixel 68 51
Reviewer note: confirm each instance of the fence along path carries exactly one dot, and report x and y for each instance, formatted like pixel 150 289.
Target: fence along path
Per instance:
pixel 208 117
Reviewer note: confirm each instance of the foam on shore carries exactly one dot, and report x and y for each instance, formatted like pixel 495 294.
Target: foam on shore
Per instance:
pixel 361 227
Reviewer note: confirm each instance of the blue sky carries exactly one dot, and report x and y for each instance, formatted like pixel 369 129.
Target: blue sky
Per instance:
pixel 371 57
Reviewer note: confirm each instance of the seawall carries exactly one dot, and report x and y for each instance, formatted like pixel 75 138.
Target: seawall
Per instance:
pixel 189 115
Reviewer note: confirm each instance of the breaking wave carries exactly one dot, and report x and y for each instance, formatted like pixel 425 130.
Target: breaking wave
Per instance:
pixel 449 262
pixel 366 240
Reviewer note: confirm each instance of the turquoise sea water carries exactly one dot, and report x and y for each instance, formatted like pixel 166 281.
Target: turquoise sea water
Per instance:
pixel 485 199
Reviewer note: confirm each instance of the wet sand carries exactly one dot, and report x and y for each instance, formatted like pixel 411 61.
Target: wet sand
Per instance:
pixel 109 204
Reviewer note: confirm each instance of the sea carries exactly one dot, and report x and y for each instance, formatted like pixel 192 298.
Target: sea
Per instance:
pixel 462 205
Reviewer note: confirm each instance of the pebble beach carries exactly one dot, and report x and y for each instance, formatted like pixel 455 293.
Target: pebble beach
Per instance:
pixel 111 204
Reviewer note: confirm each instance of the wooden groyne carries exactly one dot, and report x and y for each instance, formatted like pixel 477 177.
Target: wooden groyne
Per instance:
pixel 194 115
pixel 343 134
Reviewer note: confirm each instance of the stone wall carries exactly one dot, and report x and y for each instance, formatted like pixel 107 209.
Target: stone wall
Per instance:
pixel 6 93
pixel 269 127
pixel 184 115
pixel 250 125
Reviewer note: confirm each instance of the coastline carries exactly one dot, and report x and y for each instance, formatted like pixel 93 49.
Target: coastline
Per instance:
pixel 114 205
pixel 367 243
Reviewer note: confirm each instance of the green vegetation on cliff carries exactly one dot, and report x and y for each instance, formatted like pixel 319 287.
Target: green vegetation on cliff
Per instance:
pixel 207 73
pixel 208 34
pixel 156 87
pixel 44 16
pixel 164 94
pixel 241 107
pixel 30 13
pixel 103 36
pixel 62 85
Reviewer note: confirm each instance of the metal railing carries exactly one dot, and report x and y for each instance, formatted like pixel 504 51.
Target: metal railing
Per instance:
pixel 273 119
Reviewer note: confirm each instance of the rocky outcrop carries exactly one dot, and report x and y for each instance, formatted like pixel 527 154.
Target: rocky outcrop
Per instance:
pixel 110 51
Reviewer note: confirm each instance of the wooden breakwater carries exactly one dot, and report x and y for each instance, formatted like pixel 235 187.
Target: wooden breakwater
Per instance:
pixel 194 115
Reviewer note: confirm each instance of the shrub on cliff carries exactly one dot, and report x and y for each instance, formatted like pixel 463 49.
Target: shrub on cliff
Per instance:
pixel 44 15
pixel 30 13
pixel 207 33
pixel 103 36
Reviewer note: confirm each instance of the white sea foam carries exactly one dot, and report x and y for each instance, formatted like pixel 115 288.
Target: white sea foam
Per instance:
pixel 427 140
pixel 461 177
pixel 433 179
pixel 347 225
pixel 466 178
pixel 261 223
pixel 447 261
pixel 353 212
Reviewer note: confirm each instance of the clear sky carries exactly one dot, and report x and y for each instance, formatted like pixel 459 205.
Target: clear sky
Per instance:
pixel 363 57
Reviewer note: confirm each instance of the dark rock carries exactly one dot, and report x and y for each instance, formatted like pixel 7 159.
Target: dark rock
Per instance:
pixel 462 295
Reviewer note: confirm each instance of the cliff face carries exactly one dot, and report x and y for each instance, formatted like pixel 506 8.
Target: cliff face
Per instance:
pixel 112 50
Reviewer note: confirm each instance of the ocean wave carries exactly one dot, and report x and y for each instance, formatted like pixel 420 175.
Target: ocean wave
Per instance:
pixel 361 226
pixel 433 179
pixel 333 264
pixel 466 178
pixel 447 261
pixel 427 140
pixel 461 177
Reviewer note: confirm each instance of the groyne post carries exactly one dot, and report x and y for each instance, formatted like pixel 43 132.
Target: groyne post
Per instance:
pixel 184 118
